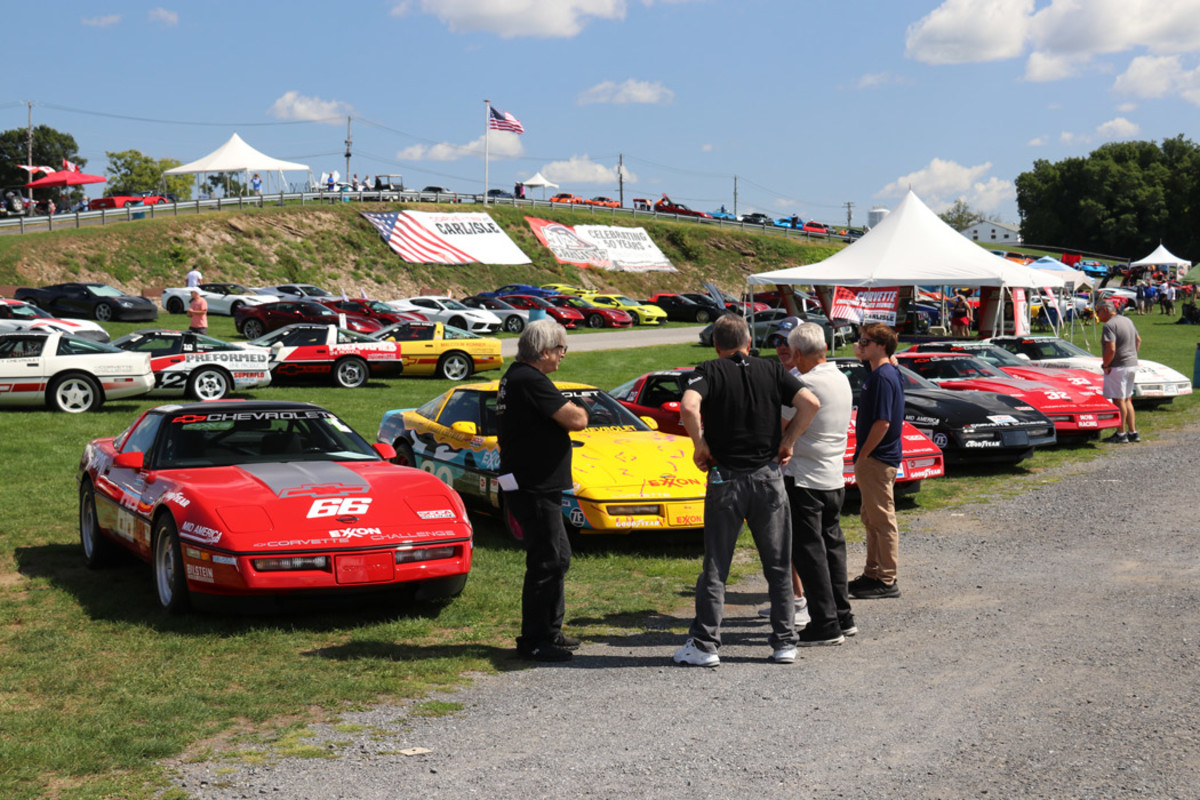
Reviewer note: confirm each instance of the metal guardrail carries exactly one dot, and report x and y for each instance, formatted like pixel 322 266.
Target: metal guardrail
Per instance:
pixel 135 213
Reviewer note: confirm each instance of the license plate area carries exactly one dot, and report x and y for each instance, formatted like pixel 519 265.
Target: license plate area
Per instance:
pixel 364 568
pixel 685 515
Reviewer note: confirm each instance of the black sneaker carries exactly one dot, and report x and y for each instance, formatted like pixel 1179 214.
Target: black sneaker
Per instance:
pixel 1116 438
pixel 811 638
pixel 847 625
pixel 875 590
pixel 1132 437
pixel 567 642
pixel 545 651
pixel 861 580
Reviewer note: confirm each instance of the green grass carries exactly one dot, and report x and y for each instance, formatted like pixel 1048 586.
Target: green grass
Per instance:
pixel 97 686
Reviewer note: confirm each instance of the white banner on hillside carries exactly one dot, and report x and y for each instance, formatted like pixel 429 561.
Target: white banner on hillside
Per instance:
pixel 424 237
pixel 629 249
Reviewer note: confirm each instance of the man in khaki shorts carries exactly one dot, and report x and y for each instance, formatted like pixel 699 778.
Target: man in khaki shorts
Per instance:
pixel 1120 342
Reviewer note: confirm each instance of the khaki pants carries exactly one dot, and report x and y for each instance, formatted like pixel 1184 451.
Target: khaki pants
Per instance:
pixel 875 480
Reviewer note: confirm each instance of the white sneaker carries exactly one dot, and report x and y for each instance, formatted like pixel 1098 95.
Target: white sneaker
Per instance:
pixel 802 616
pixel 784 655
pixel 692 655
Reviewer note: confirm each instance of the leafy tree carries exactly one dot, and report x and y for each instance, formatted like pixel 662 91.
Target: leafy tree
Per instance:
pixel 960 215
pixel 132 171
pixel 50 147
pixel 228 182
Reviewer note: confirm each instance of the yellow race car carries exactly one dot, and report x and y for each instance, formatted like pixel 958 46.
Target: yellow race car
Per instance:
pixel 431 348
pixel 566 288
pixel 627 475
pixel 642 313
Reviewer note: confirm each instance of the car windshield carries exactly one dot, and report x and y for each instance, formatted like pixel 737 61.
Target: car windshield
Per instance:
pixel 27 312
pixel 380 307
pixel 237 288
pixel 1058 348
pixel 997 356
pixel 257 436
pixel 451 303
pixel 957 369
pixel 604 412
pixel 313 291
pixel 104 290
pixel 625 301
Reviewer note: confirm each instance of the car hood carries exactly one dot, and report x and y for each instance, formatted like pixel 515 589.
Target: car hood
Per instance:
pixel 933 408
pixel 609 463
pixel 1044 396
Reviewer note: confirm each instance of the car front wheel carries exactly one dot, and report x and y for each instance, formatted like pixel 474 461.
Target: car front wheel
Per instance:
pixel 208 383
pixel 175 305
pixel 98 551
pixel 103 312
pixel 703 316
pixel 595 321
pixel 455 367
pixel 351 372
pixel 514 324
pixel 252 329
pixel 169 578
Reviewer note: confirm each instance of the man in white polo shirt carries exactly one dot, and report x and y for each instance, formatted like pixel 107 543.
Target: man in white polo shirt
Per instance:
pixel 816 488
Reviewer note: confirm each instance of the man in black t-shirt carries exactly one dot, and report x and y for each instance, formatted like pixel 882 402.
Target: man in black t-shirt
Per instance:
pixel 535 467
pixel 730 409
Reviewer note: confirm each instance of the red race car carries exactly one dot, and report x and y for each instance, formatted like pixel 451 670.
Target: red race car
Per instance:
pixel 371 309
pixel 1016 367
pixel 1073 411
pixel 567 317
pixel 656 395
pixel 594 316
pixel 243 500
pixel 253 321
pixel 307 350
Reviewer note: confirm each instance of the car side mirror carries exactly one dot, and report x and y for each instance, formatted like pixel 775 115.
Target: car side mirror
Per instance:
pixel 671 406
pixel 651 422
pixel 464 426
pixel 385 450
pixel 130 460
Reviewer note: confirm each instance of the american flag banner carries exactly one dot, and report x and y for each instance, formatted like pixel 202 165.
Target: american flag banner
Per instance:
pixel 421 237
pixel 503 121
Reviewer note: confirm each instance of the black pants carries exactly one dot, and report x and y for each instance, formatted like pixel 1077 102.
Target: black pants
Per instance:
pixel 547 559
pixel 819 554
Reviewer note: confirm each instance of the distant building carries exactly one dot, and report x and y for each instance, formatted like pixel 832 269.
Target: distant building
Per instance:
pixel 986 231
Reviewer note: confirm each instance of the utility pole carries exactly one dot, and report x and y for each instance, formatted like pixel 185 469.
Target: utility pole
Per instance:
pixel 735 195
pixel 349 142
pixel 621 178
pixel 849 213
pixel 29 139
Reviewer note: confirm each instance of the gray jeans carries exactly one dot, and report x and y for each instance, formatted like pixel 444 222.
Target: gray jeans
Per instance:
pixel 758 498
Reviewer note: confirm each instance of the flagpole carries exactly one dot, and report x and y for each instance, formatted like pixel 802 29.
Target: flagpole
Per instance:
pixel 487 118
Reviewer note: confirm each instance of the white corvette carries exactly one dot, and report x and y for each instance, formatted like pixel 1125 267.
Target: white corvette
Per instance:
pixel 68 373
pixel 199 366
pixel 222 298
pixel 17 315
pixel 449 311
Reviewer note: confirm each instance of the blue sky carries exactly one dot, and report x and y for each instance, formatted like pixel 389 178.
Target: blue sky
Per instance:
pixel 811 105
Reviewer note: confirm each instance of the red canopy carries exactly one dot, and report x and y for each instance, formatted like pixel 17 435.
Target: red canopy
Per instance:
pixel 64 177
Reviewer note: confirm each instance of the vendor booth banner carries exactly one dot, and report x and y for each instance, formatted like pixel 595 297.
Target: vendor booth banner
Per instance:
pixel 628 249
pixel 422 237
pixel 565 244
pixel 860 305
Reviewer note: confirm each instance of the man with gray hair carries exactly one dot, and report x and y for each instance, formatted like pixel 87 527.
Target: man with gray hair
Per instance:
pixel 730 409
pixel 816 489
pixel 1120 343
pixel 534 420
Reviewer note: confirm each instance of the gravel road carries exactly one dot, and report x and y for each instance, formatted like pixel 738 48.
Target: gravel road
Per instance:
pixel 1045 647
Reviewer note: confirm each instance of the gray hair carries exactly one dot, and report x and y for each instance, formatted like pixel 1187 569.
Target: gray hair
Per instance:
pixel 540 335
pixel 1106 305
pixel 807 339
pixel 730 332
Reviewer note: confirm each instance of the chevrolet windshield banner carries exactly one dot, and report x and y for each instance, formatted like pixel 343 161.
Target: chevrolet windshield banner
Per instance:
pixel 422 237
pixel 604 246
pixel 861 306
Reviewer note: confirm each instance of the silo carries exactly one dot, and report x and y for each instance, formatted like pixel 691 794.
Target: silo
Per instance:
pixel 876 215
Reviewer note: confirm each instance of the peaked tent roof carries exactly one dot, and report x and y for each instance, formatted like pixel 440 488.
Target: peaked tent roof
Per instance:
pixel 1051 264
pixel 235 156
pixel 911 246
pixel 539 180
pixel 1161 257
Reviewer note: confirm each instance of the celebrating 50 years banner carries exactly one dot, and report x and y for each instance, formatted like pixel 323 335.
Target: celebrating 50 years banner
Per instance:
pixel 603 246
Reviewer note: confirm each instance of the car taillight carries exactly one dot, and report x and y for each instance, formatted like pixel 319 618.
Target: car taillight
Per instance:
pixel 409 556
pixel 290 564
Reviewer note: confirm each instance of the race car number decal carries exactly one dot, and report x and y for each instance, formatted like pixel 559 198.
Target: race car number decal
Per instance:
pixel 336 506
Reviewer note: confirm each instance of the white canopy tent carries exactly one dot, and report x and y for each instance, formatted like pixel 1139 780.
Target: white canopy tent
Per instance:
pixel 540 180
pixel 236 156
pixel 1162 257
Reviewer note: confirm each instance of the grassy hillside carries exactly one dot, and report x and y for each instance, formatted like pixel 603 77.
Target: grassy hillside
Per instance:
pixel 334 247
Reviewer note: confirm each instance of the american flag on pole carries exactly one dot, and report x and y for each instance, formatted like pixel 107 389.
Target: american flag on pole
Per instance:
pixel 504 121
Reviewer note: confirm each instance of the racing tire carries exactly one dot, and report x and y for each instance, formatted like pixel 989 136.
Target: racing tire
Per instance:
pixel 703 316
pixel 209 383
pixel 455 366
pixel 404 454
pixel 458 322
pixel 103 312
pixel 169 579
pixel 74 393
pixel 175 305
pixel 252 329
pixel 98 550
pixel 514 324
pixel 595 321
pixel 350 372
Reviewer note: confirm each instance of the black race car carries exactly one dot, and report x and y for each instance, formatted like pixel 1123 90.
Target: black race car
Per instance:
pixel 89 300
pixel 973 427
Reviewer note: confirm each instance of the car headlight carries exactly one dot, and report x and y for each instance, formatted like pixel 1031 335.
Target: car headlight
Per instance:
pixel 290 564
pixel 125 303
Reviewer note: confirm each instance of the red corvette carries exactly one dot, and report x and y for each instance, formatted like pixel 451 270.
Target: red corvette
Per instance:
pixel 253 321
pixel 567 317
pixel 1073 411
pixel 244 500
pixel 1017 367
pixel 594 316
pixel 656 395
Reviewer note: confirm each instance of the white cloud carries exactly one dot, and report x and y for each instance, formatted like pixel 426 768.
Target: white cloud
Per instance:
pixel 1066 137
pixel 295 106
pixel 630 91
pixel 510 19
pixel 1045 67
pixel 968 31
pixel 101 22
pixel 1038 141
pixel 707 148
pixel 1159 76
pixel 1126 108
pixel 581 169
pixel 1119 128
pixel 501 144
pixel 872 80
pixel 164 16
pixel 942 182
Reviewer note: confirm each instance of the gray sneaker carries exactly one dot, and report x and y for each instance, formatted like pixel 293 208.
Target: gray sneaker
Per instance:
pixel 692 655
pixel 1116 438
pixel 1133 437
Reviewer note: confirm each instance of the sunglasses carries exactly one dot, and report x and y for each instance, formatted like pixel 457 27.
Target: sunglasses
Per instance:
pixel 869 341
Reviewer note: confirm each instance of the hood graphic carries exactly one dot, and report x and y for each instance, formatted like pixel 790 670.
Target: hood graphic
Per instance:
pixel 308 479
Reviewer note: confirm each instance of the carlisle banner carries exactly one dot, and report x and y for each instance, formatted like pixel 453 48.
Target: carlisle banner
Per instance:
pixel 422 237
pixel 861 305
